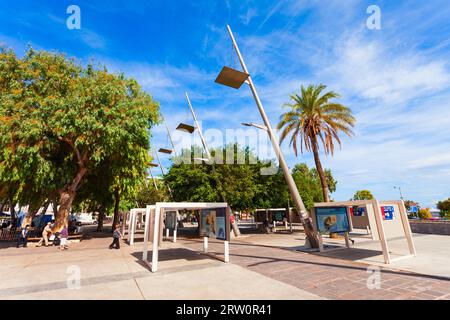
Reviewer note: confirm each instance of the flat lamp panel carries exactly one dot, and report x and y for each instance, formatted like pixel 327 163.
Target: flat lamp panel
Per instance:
pixel 231 77
pixel 186 128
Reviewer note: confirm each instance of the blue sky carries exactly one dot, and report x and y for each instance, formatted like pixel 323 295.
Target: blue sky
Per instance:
pixel 396 80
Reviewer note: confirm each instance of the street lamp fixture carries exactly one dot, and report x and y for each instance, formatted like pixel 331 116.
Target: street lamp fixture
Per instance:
pixel 259 126
pixel 232 78
pixel 166 151
pixel 186 128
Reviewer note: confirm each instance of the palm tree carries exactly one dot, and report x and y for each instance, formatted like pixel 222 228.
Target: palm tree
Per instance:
pixel 312 118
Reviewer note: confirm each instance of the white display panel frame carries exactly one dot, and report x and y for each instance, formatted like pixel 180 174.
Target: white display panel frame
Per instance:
pixel 159 208
pixel 381 230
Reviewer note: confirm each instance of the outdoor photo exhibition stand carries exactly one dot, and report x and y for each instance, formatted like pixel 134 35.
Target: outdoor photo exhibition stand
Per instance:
pixel 386 220
pixel 136 217
pixel 214 222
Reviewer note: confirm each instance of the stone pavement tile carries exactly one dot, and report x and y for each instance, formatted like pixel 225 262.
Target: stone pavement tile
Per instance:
pixel 330 277
pixel 423 296
pixel 435 294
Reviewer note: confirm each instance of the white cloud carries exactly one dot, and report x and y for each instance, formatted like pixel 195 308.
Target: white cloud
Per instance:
pixel 370 70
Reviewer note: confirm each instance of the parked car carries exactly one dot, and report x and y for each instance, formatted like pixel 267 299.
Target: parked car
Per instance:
pixel 84 219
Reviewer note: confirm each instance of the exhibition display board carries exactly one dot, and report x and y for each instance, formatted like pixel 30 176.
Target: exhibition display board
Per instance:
pixel 215 223
pixel 272 215
pixel 135 218
pixel 385 219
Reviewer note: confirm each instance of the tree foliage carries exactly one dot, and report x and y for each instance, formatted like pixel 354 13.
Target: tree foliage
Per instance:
pixel 61 123
pixel 444 206
pixel 242 185
pixel 314 118
pixel 363 195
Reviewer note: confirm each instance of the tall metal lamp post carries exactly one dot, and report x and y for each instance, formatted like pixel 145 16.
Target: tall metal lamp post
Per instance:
pixel 400 190
pixel 164 150
pixel 234 78
pixel 197 125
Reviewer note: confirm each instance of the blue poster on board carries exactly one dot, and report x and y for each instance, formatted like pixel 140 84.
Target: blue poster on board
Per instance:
pixel 359 211
pixel 333 220
pixel 388 213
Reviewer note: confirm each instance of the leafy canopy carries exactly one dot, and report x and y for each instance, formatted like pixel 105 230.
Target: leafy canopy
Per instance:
pixel 62 124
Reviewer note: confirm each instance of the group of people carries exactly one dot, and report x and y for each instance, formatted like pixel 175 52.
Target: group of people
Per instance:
pixel 60 237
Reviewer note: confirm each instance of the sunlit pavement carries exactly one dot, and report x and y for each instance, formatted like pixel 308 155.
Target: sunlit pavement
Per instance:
pixel 261 267
pixel 276 257
pixel 47 273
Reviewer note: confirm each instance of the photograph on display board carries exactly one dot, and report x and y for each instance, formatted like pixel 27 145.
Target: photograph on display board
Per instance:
pixel 171 220
pixel 278 215
pixel 213 223
pixel 358 211
pixel 388 213
pixel 332 220
pixel 221 224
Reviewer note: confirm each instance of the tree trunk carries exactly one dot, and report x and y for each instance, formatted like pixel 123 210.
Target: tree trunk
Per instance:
pixel 116 208
pixel 65 204
pixel 101 217
pixel 198 217
pixel 66 198
pixel 12 211
pixel 2 204
pixel 323 180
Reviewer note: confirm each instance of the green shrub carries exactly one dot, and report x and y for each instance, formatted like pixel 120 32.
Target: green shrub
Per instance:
pixel 425 214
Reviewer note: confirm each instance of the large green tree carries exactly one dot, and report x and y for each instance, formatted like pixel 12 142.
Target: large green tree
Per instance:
pixel 444 206
pixel 59 122
pixel 313 119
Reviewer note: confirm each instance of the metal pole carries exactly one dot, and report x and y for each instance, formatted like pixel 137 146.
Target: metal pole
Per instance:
pixel 400 190
pixel 154 180
pixel 198 127
pixel 162 171
pixel 169 134
pixel 287 174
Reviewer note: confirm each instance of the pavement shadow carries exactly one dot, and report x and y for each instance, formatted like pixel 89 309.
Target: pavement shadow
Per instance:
pixel 174 254
pixel 352 254
pixel 4 244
